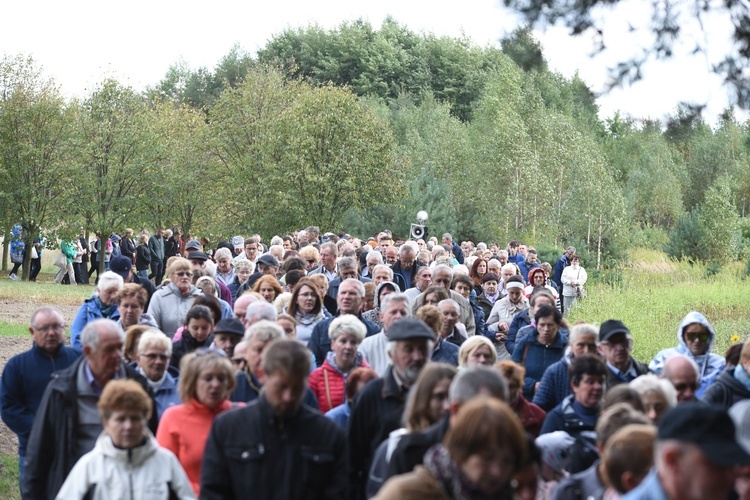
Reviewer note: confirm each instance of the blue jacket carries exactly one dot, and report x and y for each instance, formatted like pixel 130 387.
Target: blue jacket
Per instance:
pixel 560 266
pixel 169 392
pixel 457 252
pixel 710 365
pixel 519 321
pixel 446 352
pixel 525 268
pixel 25 377
pixel 649 489
pixel 538 358
pixel 555 384
pixel 88 312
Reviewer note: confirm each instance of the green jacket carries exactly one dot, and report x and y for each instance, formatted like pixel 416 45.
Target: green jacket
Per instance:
pixel 69 249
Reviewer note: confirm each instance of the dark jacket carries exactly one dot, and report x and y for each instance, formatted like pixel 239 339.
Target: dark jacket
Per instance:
pixel 560 266
pixel 171 247
pixel 127 247
pixel 405 278
pixel 142 258
pixel 537 358
pixel 146 285
pixel 248 389
pixel 252 452
pixel 613 380
pixel 52 444
pixel 566 417
pixel 726 391
pixel 376 412
pixel 519 321
pixel 333 290
pixel 483 302
pixel 411 448
pixel 185 345
pixel 320 344
pixel 457 252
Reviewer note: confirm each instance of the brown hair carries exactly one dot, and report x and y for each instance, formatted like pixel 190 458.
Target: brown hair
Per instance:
pixel 630 449
pixel 357 376
pixel 132 334
pixel 292 307
pixel 194 363
pixel 482 427
pixel 512 371
pixel 473 271
pixel 121 395
pixel 417 410
pixel 268 280
pixel 132 290
pixel 432 316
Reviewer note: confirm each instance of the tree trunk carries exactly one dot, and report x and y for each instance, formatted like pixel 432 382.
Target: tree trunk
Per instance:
pixel 6 248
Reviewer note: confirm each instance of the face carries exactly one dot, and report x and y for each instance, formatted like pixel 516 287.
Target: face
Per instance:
pixel 224 265
pixel 384 244
pixel 226 342
pixel 130 311
pixel 290 329
pixel 698 478
pixel 489 474
pixel 380 275
pixel 575 262
pixel 503 259
pixel 48 331
pixel 481 268
pixel 431 299
pixel 328 258
pixel 182 279
pixel 211 389
pixel 538 279
pixel 107 357
pixel 199 328
pixel 243 274
pixel 654 405
pixel 450 317
pixel 348 298
pixel 522 249
pixel 439 402
pixel 547 328
pixel 514 295
pixel 395 310
pixel 407 259
pixel 284 392
pixel 348 272
pixel 539 302
pixel 391 255
pixel 442 278
pixel 616 350
pixel 254 353
pixel 311 264
pixel 306 299
pixel 251 251
pixel 696 337
pixel 507 273
pixel 198 263
pixel 531 258
pixel 493 268
pixel 345 349
pixel 424 279
pixel 159 233
pixel 683 378
pixel 409 358
pixel 421 244
pixel 590 391
pixel 584 343
pixel 125 427
pixel 267 291
pixel 463 289
pixel 482 355
pixel 107 295
pixel 490 287
pixel 206 287
pixel 153 361
pixel 287 245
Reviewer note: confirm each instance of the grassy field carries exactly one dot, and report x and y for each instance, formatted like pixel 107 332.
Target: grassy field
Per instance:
pixel 9 478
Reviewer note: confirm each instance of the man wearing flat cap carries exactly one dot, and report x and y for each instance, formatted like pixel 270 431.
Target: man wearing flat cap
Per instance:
pixel 616 344
pixel 267 264
pixel 378 407
pixel 695 457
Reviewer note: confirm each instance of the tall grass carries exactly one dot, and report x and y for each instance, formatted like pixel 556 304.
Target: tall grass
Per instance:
pixel 43 293
pixel 654 294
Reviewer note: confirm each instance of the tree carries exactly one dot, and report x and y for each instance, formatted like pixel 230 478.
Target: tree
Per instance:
pixel 34 128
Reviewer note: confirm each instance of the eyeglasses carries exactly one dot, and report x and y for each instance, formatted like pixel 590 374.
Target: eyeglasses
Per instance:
pixel 47 328
pixel 182 274
pixel 692 337
pixel 152 356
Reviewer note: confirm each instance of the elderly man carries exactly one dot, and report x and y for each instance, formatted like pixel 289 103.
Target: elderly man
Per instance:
pixel 381 273
pixel 67 423
pixel 276 447
pixel 405 269
pixel 241 305
pixel 695 339
pixel 348 301
pixel 391 255
pixel 684 375
pixel 696 454
pixel 616 345
pixel 372 258
pixel 347 269
pixel 266 265
pixel 26 375
pixel 328 256
pixel 442 276
pixel 450 310
pixel 153 355
pixel 394 307
pixel 455 249
pixel 378 407
pixel 422 281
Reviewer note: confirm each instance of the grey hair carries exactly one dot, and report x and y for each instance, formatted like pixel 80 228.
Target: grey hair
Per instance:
pixel 276 240
pixel 691 361
pixel 348 323
pixel 265 331
pixel 260 310
pixel 448 236
pixel 501 252
pixel 571 249
pixel 407 247
pixel 583 329
pixel 471 381
pixel 494 261
pixel 45 309
pixel 223 253
pixel 242 263
pixel 510 266
pixel 154 338
pixel 92 332
pixel 651 383
pixel 109 279
pixel 383 266
pixel 347 262
pixel 360 285
pixel 398 297
pixel 372 255
pixel 442 267
pixel 450 302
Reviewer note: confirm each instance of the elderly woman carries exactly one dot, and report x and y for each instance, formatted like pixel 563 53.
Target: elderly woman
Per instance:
pixel 328 382
pixel 544 346
pixel 311 256
pixel 477 350
pixel 206 381
pixel 101 305
pixel 537 281
pixel 131 302
pixel 657 394
pixel 530 415
pixel 480 454
pixel 580 411
pixel 199 326
pixel 126 462
pixel 170 304
pixel 154 352
pixel 383 289
pixel 268 286
pixel 306 307
pixel 243 269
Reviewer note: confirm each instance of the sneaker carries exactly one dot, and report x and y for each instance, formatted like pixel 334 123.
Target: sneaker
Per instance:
pixel 14 277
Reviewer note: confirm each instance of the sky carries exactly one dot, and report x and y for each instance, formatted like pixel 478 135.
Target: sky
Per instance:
pixel 80 42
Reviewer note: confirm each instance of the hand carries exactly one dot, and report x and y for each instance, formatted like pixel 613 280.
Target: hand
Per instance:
pixel 503 327
pixel 500 336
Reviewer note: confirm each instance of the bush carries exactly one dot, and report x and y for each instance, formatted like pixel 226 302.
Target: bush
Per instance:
pixel 687 240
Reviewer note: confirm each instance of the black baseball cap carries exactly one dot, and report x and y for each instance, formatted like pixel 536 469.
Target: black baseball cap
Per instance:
pixel 610 328
pixel 709 428
pixel 121 265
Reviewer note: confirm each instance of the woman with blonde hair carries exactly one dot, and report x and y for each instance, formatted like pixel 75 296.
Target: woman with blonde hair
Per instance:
pixel 170 304
pixel 475 351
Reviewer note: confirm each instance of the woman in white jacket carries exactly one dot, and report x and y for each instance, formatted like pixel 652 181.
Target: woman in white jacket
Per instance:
pixel 573 276
pixel 126 462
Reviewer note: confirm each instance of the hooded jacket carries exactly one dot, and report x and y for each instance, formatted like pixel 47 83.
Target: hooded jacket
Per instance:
pixel 710 365
pixel 147 472
pixel 373 315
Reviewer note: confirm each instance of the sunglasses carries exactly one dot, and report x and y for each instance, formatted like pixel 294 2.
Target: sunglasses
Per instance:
pixel 692 337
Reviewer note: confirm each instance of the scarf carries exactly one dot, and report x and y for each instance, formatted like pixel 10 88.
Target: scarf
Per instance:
pixel 331 358
pixel 441 466
pixel 742 377
pixel 107 311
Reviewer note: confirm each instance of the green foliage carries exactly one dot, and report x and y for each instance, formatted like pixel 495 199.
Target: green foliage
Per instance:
pixel 686 240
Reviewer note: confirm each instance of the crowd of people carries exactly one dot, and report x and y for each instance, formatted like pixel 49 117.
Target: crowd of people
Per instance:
pixel 325 366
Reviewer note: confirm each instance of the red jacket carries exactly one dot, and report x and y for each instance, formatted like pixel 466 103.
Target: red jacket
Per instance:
pixel 530 415
pixel 329 384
